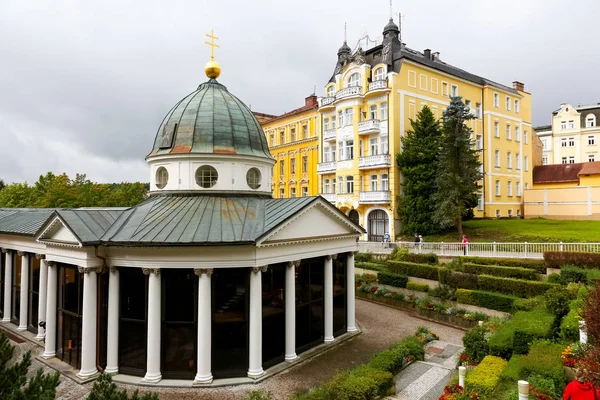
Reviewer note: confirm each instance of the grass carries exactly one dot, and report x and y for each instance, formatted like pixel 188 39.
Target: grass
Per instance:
pixel 536 230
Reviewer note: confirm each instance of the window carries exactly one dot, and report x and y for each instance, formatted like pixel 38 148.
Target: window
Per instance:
pixel 517 108
pixel 518 188
pixel 373 111
pixel 293 192
pixel 526 163
pixel 341 118
pixel 498 214
pixel 333 122
pixel 497 188
pixel 330 90
pixel 385 182
pixel 507 103
pixel 497 129
pixel 304 132
pixel 162 177
pixel 293 134
pixel 444 88
pixel 349 184
pixel 272 139
pixel 384 144
pixel 480 203
pixel 525 137
pixel 434 85
pixel 293 166
pixel 206 176
pixel 590 121
pixel 282 167
pixel 468 104
pixel 354 79
pixel 373 183
pixel 374 148
pixel 571 142
pixel 333 185
pixel 544 160
pixel 544 143
pixel 253 178
pixel 526 186
pixel 564 160
pixel 509 160
pixel 510 188
pixel 304 191
pixel 571 159
pixel 518 161
pixel 349 116
pixel 454 90
pixel 591 140
pixel 508 134
pixel 563 142
pixel 326 186
pixel 479 141
pixel 347 150
pixel 496 100
pixel 478 110
pixel 497 153
pixel 591 158
pixel 510 212
pixel 379 74
pixel 571 124
pixel 281 193
pixel 518 212
pixel 340 184
pixel 383 111
pixel 563 125
pixel 304 164
pixel 326 124
pixel 281 137
pixel 517 133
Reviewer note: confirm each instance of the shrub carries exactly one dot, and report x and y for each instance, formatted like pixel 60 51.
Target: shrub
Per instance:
pixel 392 279
pixel 512 372
pixel 544 360
pixel 518 287
pixel 458 280
pixel 537 265
pixel 529 304
pixel 505 272
pixel 570 273
pixel 365 278
pixel 370 266
pixel 556 259
pixel 493 301
pixel 521 341
pixel 542 386
pixel 486 375
pixel 104 388
pixel 443 292
pixel 412 269
pixel 476 343
pixel 363 257
pixel 402 254
pixel 557 301
pixel 259 395
pixel 420 287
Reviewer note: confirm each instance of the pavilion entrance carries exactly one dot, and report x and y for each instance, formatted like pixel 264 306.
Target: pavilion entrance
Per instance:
pixel 70 304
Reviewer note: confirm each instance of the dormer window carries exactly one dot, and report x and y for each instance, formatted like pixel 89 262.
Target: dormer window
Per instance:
pixel 354 79
pixel 330 90
pixel 379 74
pixel 590 121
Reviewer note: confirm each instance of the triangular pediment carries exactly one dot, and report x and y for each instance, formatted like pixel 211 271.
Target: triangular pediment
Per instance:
pixel 57 232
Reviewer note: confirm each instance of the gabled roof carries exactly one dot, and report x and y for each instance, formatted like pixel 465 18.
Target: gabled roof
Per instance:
pixel 89 225
pixel 590 168
pixel 557 173
pixel 23 221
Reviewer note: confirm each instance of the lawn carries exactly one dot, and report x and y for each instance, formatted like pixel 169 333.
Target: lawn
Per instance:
pixel 522 230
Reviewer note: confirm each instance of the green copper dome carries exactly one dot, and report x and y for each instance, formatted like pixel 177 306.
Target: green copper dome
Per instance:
pixel 211 121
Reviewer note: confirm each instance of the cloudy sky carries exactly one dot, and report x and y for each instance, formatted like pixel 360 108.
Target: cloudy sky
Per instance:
pixel 85 84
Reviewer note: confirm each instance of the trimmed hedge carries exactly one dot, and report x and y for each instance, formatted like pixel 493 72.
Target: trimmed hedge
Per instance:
pixel 370 266
pixel 420 287
pixel 493 301
pixel 544 360
pixel 458 280
pixel 556 259
pixel 486 375
pixel 402 254
pixel 537 265
pixel 395 280
pixel 500 271
pixel 363 257
pixel 517 287
pixel 412 269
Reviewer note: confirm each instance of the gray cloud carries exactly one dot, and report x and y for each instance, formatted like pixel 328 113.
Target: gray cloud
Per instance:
pixel 84 85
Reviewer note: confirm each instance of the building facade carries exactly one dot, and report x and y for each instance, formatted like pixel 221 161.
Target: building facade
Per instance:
pixel 293 142
pixel 573 136
pixel 368 104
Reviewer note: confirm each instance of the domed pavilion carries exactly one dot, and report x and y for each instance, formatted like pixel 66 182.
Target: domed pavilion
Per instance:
pixel 209 278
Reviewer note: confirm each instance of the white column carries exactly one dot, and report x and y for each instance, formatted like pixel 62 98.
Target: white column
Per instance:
pixel 7 284
pixel 350 299
pixel 42 295
pixel 23 310
pixel 88 325
pixel 204 372
pixel 153 374
pixel 328 293
pixel 112 339
pixel 50 341
pixel 290 311
pixel 255 366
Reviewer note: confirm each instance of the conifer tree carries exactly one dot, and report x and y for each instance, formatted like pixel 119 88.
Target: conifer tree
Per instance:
pixel 105 389
pixel 417 163
pixel 457 168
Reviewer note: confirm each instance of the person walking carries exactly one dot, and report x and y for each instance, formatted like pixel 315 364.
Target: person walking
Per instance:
pixel 580 390
pixel 465 241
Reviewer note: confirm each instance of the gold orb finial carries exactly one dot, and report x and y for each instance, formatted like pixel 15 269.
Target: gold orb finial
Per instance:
pixel 212 68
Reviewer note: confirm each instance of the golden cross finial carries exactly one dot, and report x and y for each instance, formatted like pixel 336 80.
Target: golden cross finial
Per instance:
pixel 212 44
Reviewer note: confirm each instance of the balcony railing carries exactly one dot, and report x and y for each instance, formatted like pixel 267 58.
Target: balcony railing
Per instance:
pixel 326 167
pixel 378 85
pixel 325 101
pixel 382 196
pixel 348 91
pixel 329 134
pixel 330 197
pixel 368 127
pixel 381 160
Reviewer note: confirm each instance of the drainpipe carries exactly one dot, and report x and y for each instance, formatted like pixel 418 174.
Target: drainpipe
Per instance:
pixel 483 149
pixel 98 309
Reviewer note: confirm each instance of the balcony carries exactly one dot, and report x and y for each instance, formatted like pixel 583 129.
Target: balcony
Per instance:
pixel 380 160
pixel 327 101
pixel 349 91
pixel 329 134
pixel 368 127
pixel 377 85
pixel 326 167
pixel 383 196
pixel 330 197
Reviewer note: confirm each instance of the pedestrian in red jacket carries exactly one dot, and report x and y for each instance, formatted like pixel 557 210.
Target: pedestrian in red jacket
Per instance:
pixel 576 390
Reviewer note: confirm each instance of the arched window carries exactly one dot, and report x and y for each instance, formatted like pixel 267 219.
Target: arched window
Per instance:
pixel 354 79
pixel 330 91
pixel 162 177
pixel 326 186
pixel 590 121
pixel 354 217
pixel 378 225
pixel 380 74
pixel 253 178
pixel 385 182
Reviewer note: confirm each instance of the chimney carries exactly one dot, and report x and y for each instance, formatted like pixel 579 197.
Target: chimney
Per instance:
pixel 435 56
pixel 311 101
pixel 519 86
pixel 427 53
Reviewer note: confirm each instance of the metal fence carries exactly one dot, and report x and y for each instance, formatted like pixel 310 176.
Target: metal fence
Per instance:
pixel 506 250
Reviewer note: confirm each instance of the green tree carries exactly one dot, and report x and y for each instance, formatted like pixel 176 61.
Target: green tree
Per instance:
pixel 457 168
pixel 13 379
pixel 2 184
pixel 105 389
pixel 18 195
pixel 417 162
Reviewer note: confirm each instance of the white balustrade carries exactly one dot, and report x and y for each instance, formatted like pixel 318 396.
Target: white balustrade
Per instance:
pixel 329 134
pixel 368 126
pixel 375 197
pixel 330 197
pixel 325 101
pixel 348 91
pixel 382 84
pixel 380 160
pixel 326 167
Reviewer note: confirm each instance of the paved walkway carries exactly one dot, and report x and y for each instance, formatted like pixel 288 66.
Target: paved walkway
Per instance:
pixel 425 380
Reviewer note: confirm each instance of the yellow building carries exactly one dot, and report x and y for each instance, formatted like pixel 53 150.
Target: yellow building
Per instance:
pixel 368 104
pixel 293 142
pixel 564 191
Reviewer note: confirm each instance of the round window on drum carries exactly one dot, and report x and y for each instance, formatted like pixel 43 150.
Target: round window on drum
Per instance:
pixel 253 178
pixel 162 177
pixel 206 176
